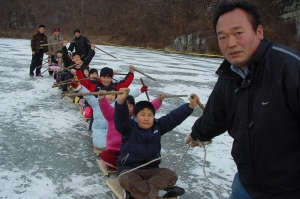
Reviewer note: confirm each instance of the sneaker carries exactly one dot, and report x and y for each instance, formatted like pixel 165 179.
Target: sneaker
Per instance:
pixel 126 194
pixel 173 192
pixel 39 75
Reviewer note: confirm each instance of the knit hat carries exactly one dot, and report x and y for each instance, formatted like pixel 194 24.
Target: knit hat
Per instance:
pixel 56 29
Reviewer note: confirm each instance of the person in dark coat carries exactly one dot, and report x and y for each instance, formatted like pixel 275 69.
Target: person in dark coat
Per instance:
pixel 38 51
pixel 257 100
pixel 75 60
pixel 81 44
pixel 141 145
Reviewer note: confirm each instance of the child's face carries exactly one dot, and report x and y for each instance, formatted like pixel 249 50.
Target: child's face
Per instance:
pixel 110 98
pixel 130 108
pixel 76 59
pixel 58 54
pixel 105 80
pixel 145 118
pixel 86 73
pixel 93 75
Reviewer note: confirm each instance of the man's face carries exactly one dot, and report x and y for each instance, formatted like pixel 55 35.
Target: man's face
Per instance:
pixel 56 33
pixel 237 40
pixel 77 34
pixel 41 30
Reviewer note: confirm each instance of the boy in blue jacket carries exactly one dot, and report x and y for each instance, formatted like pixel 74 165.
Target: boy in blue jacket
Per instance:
pixel 141 138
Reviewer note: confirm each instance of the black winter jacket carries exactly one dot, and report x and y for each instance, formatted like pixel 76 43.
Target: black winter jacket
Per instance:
pixel 140 146
pixel 262 114
pixel 81 46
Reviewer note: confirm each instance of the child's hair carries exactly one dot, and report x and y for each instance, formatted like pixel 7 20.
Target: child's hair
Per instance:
pixel 130 100
pixel 75 53
pixel 59 51
pixel 141 105
pixel 93 70
pixel 106 72
pixel 109 88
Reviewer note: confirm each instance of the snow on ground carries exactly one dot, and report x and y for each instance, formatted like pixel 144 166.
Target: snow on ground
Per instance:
pixel 46 150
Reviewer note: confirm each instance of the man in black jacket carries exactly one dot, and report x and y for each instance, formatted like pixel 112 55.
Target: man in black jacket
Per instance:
pixel 257 100
pixel 81 44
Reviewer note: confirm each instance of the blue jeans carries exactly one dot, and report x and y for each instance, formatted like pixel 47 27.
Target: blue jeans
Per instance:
pixel 238 191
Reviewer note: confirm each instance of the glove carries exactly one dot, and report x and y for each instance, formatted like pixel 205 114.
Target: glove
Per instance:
pixel 144 88
pixel 75 85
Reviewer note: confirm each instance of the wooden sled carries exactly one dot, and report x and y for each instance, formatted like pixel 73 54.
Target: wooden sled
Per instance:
pixel 103 167
pixel 114 185
pixel 97 151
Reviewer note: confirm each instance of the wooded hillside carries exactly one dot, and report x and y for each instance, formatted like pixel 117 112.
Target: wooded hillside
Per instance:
pixel 147 23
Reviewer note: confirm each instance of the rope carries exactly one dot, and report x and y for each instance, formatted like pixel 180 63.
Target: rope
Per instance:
pixel 202 144
pixel 155 160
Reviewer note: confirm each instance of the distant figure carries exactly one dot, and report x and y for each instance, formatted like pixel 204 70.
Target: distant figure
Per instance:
pixel 38 51
pixel 56 37
pixel 81 44
pixel 257 100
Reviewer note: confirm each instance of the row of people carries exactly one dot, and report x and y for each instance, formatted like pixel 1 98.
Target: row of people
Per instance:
pixel 256 99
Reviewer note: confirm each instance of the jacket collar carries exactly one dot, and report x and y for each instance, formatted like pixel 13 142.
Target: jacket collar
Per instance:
pixel 258 56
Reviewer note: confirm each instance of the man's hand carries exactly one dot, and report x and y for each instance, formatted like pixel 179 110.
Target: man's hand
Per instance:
pixel 33 53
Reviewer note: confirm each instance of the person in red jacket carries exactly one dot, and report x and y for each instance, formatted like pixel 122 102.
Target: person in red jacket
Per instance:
pixel 106 76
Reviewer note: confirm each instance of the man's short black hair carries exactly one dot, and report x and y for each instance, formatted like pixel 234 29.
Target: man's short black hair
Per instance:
pixel 106 72
pixel 130 100
pixel 229 6
pixel 76 30
pixel 141 105
pixel 59 51
pixel 42 26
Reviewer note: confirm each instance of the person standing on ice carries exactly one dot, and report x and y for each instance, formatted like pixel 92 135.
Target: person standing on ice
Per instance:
pixel 257 100
pixel 38 51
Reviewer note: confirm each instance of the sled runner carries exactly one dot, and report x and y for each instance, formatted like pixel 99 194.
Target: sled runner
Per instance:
pixel 114 185
pixel 103 167
pixel 97 151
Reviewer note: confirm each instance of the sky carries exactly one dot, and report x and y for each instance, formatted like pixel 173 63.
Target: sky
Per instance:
pixel 46 149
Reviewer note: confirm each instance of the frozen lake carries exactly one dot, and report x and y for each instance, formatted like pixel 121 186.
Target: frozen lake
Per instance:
pixel 46 150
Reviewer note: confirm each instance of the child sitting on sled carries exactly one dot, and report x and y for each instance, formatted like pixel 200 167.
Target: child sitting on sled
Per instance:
pixel 141 143
pixel 114 138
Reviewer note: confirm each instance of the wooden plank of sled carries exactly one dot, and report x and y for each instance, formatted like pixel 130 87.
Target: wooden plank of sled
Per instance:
pixel 97 151
pixel 114 185
pixel 70 98
pixel 103 167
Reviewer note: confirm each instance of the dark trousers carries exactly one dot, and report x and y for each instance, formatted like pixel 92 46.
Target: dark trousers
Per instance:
pixel 36 61
pixel 66 76
pixel 145 183
pixel 91 123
